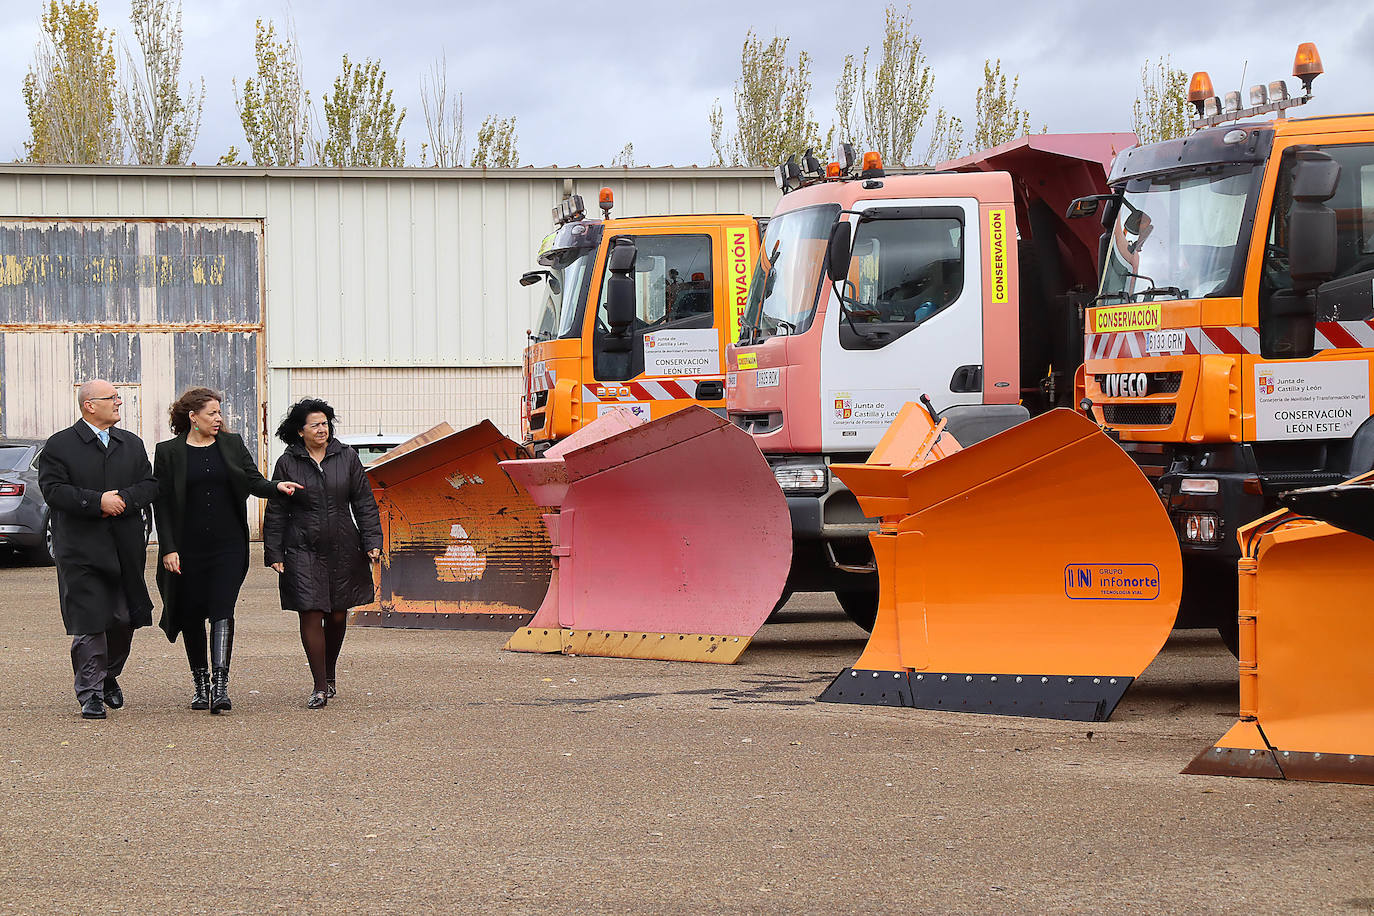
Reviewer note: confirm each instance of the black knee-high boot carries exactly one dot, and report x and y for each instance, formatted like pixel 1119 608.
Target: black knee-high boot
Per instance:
pixel 221 648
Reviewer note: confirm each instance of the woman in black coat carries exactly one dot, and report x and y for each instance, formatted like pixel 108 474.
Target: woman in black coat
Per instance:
pixel 205 475
pixel 320 542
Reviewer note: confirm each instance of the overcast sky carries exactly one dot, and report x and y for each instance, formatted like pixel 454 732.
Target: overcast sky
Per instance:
pixel 583 79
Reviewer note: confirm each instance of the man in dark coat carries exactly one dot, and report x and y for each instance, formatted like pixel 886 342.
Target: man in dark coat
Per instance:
pixel 97 480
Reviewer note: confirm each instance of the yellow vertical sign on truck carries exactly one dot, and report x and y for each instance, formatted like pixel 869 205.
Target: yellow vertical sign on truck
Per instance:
pixel 739 263
pixel 997 255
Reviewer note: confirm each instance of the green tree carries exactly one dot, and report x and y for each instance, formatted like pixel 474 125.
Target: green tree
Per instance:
pixel 72 89
pixel 274 107
pixel 443 119
pixel 885 112
pixel 362 123
pixel 773 119
pixel 1161 111
pixel 161 124
pixel 997 118
pixel 496 144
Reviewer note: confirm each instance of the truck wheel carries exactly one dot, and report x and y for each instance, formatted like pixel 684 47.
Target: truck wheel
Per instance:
pixel 861 606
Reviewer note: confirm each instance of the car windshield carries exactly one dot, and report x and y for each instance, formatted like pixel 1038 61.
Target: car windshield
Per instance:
pixel 12 457
pixel 568 255
pixel 782 297
pixel 1178 236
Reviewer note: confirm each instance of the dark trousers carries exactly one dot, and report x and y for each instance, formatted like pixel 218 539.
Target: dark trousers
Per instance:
pixel 97 657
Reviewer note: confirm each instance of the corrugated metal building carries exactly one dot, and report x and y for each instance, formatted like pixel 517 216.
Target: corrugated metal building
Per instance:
pixel 390 292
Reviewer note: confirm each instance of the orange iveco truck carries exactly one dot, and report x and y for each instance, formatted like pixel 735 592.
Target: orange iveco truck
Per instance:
pixel 692 276
pixel 1230 346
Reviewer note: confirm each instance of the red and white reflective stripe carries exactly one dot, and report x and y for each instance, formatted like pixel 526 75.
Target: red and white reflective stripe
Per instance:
pixel 1231 340
pixel 656 390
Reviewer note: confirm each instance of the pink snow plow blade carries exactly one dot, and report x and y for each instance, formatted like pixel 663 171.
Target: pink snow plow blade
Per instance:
pixel 672 540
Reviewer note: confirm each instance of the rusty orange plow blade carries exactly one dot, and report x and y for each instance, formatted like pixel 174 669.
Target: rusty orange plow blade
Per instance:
pixel 1034 573
pixel 464 546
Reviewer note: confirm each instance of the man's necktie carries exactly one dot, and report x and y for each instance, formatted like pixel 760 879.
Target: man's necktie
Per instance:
pixel 104 435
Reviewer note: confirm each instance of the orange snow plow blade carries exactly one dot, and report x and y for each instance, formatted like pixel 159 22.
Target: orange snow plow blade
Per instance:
pixel 672 540
pixel 463 546
pixel 1035 573
pixel 1306 635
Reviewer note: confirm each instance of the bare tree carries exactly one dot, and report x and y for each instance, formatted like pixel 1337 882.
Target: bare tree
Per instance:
pixel 275 107
pixel 626 156
pixel 772 115
pixel 443 119
pixel 946 138
pixel 997 118
pixel 72 89
pixel 496 144
pixel 1161 112
pixel 161 124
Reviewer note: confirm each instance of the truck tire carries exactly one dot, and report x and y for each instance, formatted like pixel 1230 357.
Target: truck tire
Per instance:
pixel 860 606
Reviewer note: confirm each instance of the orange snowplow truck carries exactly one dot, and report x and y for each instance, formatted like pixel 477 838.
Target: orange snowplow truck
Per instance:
pixel 1231 341
pixel 692 277
pixel 964 285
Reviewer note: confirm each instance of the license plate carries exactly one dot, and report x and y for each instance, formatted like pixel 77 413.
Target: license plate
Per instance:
pixel 1175 341
pixel 767 378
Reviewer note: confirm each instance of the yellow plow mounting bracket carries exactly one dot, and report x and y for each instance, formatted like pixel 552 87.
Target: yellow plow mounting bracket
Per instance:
pixel 1035 573
pixel 1306 637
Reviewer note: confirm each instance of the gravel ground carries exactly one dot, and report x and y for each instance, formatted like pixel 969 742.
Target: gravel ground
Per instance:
pixel 450 776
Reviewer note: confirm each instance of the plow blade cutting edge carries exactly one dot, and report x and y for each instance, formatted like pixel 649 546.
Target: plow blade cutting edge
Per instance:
pixel 1035 573
pixel 463 546
pixel 672 541
pixel 1306 634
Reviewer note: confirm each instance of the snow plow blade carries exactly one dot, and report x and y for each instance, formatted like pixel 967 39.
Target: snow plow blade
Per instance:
pixel 672 540
pixel 1306 634
pixel 1035 573
pixel 463 546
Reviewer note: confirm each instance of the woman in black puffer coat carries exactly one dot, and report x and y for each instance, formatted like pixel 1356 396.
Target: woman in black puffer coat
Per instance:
pixel 320 542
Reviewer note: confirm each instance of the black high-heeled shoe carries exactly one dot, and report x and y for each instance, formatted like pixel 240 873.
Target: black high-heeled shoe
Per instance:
pixel 317 700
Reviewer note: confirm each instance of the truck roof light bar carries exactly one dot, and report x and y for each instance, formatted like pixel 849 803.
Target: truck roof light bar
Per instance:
pixel 1307 66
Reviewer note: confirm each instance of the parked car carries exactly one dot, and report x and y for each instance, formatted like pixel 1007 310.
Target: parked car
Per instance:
pixel 371 446
pixel 24 521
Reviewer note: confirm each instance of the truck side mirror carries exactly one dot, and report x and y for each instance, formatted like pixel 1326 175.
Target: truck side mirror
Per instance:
pixel 620 287
pixel 839 251
pixel 1083 206
pixel 1311 223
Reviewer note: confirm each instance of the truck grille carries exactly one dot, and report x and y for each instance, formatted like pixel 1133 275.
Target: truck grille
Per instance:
pixel 1138 414
pixel 1160 382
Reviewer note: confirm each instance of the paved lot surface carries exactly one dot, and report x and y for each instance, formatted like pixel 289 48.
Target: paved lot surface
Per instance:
pixel 450 776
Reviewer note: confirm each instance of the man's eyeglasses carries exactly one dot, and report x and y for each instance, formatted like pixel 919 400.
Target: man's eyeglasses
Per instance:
pixel 109 397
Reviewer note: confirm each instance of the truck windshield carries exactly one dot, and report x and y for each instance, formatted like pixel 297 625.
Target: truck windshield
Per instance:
pixel 568 255
pixel 782 297
pixel 1178 236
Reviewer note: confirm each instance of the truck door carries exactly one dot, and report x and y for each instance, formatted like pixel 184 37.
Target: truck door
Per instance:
pixel 911 322
pixel 675 340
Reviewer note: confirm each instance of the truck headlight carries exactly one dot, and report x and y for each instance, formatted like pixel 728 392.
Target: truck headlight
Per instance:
pixel 1201 528
pixel 809 477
